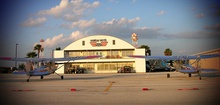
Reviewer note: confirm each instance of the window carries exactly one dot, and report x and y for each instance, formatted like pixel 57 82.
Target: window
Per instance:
pixel 113 42
pixel 74 54
pixel 83 43
pixel 127 52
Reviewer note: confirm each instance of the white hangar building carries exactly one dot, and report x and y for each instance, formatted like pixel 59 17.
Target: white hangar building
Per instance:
pixel 113 50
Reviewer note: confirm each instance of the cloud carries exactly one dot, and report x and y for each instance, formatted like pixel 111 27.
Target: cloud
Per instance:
pixel 200 15
pixel 76 35
pixel 123 28
pixel 133 1
pixel 70 11
pixel 215 9
pixel 123 22
pixel 106 25
pixel 34 22
pixel 62 40
pixel 215 27
pixel 162 12
pixel 57 10
pixel 54 41
pixel 194 35
pixel 81 24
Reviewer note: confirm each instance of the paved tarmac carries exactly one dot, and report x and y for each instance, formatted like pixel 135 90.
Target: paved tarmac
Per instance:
pixel 111 89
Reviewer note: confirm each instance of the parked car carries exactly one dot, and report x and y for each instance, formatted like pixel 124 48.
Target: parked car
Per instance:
pixel 126 69
pixel 80 70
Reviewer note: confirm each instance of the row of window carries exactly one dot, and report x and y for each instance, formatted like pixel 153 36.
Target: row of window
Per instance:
pixel 100 66
pixel 105 53
pixel 98 44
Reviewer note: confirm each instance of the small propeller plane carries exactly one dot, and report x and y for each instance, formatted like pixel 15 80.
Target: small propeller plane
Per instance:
pixel 184 68
pixel 48 65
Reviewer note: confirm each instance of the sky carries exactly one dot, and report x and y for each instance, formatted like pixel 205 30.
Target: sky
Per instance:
pixel 184 26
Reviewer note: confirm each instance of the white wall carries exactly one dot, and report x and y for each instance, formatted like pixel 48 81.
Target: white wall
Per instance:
pixel 140 63
pixel 119 44
pixel 59 54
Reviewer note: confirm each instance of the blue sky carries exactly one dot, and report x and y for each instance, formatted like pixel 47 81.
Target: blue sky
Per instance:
pixel 189 26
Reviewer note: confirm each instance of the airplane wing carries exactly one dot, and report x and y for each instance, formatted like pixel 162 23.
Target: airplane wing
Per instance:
pixel 48 59
pixel 175 57
pixel 155 57
pixel 189 71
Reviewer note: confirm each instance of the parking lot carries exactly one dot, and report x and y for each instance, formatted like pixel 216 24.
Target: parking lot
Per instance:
pixel 107 89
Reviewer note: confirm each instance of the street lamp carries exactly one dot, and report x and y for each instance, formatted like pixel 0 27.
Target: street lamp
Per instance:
pixel 16 54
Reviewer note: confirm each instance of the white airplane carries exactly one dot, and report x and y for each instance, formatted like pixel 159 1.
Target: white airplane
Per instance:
pixel 185 68
pixel 49 68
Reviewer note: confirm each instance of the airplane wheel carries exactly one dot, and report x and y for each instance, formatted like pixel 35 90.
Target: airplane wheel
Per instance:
pixel 200 78
pixel 61 77
pixel 190 75
pixel 168 75
pixel 27 80
pixel 41 77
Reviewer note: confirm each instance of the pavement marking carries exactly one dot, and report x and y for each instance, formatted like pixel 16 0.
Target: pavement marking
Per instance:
pixel 109 86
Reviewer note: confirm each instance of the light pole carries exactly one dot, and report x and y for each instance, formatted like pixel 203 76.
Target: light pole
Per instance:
pixel 16 54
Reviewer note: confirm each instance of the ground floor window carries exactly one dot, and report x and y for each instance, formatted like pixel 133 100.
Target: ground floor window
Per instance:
pixel 113 66
pixel 71 68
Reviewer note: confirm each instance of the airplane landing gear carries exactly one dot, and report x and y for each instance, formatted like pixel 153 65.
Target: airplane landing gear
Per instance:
pixel 168 75
pixel 41 77
pixel 61 76
pixel 28 78
pixel 190 75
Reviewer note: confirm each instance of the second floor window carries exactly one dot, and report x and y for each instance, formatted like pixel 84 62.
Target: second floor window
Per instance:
pixel 113 42
pixel 83 43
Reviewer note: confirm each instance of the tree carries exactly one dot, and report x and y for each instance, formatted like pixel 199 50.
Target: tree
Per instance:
pixel 168 52
pixel 145 46
pixel 31 54
pixel 147 49
pixel 21 66
pixel 39 49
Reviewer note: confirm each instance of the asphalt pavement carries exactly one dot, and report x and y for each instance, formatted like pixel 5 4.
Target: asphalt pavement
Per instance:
pixel 111 89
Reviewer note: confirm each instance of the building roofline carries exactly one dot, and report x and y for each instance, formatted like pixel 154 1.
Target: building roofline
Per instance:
pixel 209 51
pixel 98 35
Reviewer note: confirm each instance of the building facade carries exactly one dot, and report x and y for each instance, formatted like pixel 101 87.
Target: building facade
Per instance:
pixel 114 52
pixel 211 63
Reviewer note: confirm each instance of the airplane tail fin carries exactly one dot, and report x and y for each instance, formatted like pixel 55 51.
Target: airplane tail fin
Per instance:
pixel 52 67
pixel 29 67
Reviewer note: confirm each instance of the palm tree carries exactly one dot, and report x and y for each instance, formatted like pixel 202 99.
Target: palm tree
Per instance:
pixel 31 54
pixel 39 49
pixel 168 52
pixel 21 66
